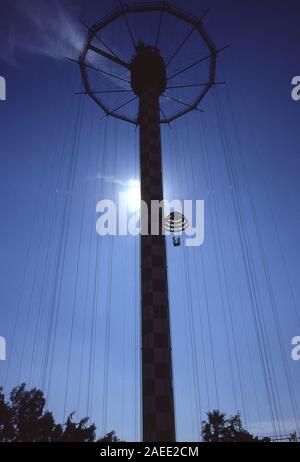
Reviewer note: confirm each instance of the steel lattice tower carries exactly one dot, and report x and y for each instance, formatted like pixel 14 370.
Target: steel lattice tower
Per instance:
pixel 148 81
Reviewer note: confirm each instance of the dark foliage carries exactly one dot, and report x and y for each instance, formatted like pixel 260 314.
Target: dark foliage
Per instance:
pixel 218 429
pixel 24 419
pixel 110 437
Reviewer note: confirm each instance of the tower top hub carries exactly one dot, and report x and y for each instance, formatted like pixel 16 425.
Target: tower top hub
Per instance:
pixel 148 70
pixel 149 73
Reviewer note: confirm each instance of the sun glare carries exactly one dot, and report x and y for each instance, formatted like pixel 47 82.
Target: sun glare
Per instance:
pixel 134 195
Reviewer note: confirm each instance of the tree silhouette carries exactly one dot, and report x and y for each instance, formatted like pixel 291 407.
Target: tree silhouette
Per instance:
pixel 24 419
pixel 110 437
pixel 293 438
pixel 218 429
pixel 213 429
pixel 78 432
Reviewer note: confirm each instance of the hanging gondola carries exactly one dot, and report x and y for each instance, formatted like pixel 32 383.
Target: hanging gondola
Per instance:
pixel 176 223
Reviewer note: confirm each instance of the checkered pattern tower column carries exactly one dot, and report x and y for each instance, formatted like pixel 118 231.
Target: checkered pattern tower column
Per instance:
pixel 157 387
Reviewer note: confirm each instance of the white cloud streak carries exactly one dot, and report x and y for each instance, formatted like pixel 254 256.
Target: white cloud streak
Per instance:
pixel 40 27
pixel 46 28
pixel 112 180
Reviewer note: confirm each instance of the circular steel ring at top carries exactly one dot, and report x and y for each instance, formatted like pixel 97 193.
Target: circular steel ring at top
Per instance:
pixel 132 8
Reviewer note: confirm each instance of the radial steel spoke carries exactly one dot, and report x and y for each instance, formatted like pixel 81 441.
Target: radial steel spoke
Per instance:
pixel 122 105
pixel 106 73
pixel 127 24
pixel 159 27
pixel 90 66
pixel 191 85
pixel 185 39
pixel 103 91
pixel 182 102
pixel 113 58
pixel 197 62
pixel 100 40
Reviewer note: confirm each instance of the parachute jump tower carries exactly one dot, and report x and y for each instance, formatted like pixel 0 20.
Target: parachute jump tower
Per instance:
pixel 148 82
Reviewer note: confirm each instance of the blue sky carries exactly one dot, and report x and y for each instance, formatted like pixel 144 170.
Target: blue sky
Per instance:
pixel 70 300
